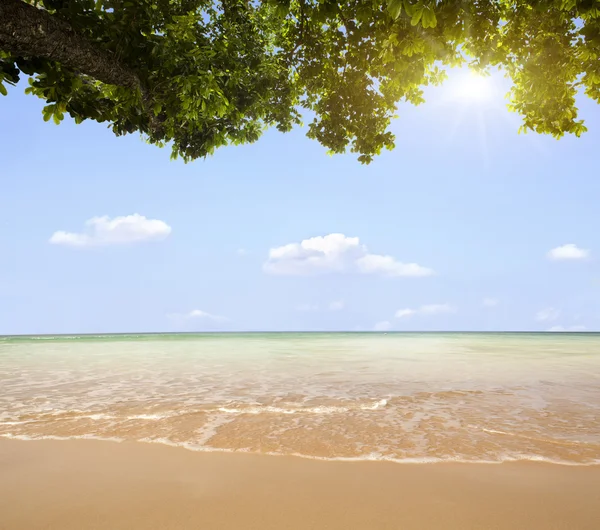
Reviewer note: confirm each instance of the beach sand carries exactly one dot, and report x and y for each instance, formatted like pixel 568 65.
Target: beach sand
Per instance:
pixel 84 485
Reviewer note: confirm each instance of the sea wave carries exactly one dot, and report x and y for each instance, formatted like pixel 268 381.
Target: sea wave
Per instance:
pixel 538 439
pixel 321 409
pixel 369 457
pixel 233 409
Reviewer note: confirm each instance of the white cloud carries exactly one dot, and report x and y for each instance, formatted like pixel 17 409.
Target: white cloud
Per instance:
pixel 426 310
pixel 548 314
pixel 569 251
pixel 101 231
pixel 197 314
pixel 241 251
pixel 336 253
pixel 336 305
pixel 382 326
pixel 490 302
pixel 388 266
pixel 568 328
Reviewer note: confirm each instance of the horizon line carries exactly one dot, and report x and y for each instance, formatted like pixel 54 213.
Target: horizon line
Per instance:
pixel 373 332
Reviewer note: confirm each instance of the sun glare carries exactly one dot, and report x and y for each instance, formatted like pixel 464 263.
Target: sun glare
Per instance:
pixel 474 87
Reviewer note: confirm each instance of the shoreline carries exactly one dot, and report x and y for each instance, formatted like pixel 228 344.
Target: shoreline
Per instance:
pixel 91 484
pixel 535 459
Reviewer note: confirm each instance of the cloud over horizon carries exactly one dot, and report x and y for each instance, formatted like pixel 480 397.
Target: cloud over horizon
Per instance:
pixel 384 325
pixel 197 314
pixel 104 231
pixel 336 253
pixel 426 310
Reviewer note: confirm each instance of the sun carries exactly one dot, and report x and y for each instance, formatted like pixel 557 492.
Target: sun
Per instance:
pixel 474 87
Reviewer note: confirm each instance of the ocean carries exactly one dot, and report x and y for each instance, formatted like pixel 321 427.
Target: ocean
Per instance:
pixel 402 397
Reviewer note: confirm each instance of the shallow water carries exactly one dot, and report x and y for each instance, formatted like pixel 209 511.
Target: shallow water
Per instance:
pixel 401 397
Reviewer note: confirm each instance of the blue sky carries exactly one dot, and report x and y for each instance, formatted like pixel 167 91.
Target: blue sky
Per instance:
pixel 453 230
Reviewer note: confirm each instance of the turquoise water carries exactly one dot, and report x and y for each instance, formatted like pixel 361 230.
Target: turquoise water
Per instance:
pixel 398 396
pixel 290 335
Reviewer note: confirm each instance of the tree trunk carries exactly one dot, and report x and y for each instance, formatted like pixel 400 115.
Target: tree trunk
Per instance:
pixel 26 31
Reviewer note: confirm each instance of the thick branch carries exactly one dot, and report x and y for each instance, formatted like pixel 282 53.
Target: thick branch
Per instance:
pixel 26 31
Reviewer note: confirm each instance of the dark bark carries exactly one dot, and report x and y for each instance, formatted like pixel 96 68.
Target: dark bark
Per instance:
pixel 26 31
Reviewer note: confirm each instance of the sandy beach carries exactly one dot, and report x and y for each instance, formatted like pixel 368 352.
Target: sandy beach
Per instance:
pixel 395 432
pixel 88 485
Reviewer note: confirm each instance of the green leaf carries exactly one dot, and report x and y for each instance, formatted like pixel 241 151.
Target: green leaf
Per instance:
pixel 48 111
pixel 394 8
pixel 428 20
pixel 417 14
pixel 3 90
pixel 409 8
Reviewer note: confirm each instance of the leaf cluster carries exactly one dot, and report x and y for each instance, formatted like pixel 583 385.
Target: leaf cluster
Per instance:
pixel 219 72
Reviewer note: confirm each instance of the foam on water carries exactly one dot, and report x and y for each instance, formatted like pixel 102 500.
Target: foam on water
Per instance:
pixel 397 398
pixel 26 438
pixel 371 457
pixel 149 417
pixel 300 410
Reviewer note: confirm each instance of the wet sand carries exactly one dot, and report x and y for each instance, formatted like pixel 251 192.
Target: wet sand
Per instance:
pixel 86 485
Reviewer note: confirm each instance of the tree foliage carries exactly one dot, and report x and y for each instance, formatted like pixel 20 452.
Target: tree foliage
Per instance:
pixel 200 74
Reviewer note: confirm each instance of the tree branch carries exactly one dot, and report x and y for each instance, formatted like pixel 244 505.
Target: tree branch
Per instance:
pixel 26 31
pixel 300 41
